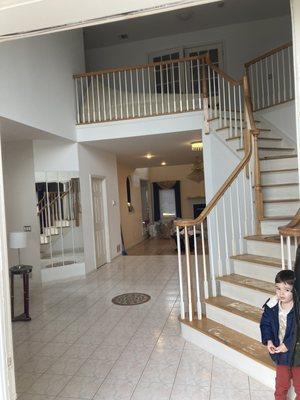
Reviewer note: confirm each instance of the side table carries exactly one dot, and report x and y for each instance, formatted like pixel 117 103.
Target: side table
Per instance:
pixel 25 271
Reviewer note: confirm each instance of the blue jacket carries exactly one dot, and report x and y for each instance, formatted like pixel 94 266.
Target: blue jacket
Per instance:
pixel 269 327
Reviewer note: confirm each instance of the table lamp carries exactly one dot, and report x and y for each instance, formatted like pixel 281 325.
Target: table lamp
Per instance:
pixel 17 240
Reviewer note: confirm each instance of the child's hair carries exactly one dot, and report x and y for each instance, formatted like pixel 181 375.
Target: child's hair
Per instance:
pixel 285 276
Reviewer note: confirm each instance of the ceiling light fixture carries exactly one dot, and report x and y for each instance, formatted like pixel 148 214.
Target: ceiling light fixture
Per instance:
pixel 163 163
pixel 149 156
pixel 197 145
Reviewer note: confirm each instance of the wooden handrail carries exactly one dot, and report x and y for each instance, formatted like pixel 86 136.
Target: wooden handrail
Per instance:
pixel 140 66
pixel 268 54
pixel 61 196
pixel 223 74
pixel 292 228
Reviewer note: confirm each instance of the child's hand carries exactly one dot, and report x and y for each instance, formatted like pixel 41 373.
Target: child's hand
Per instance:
pixel 281 349
pixel 271 347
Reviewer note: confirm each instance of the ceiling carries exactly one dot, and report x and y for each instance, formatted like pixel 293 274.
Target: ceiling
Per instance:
pixel 185 20
pixel 173 148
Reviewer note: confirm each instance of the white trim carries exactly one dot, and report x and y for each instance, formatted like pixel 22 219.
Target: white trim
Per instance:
pixel 64 272
pixel 7 374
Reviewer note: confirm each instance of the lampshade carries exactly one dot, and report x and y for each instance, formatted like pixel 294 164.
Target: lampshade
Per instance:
pixel 17 240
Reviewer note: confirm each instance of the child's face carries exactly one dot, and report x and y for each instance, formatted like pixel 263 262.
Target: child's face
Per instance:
pixel 284 292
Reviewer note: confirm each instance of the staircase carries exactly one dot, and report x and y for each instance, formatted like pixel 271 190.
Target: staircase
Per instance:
pixel 229 303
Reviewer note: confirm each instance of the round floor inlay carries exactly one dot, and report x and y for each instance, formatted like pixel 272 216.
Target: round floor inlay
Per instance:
pixel 131 299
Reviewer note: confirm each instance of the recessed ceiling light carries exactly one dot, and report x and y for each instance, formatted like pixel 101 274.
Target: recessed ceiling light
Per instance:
pixel 163 163
pixel 197 146
pixel 149 156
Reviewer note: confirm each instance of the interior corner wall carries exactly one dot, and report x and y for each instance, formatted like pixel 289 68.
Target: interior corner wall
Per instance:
pixel 241 43
pixel 131 222
pixel 55 155
pixel 36 83
pixel 94 161
pixel 190 190
pixel 20 200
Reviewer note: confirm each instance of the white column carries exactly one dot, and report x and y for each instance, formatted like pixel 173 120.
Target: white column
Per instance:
pixel 7 375
pixel 295 15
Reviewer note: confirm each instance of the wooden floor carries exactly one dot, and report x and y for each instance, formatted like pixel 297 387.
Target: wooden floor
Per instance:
pixel 154 247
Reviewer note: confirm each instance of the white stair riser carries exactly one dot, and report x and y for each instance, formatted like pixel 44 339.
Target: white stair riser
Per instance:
pixel 256 271
pixel 271 227
pixel 267 249
pixel 256 370
pixel 62 224
pixel 279 163
pixel 282 209
pixel 272 178
pixel 253 297
pixel 281 192
pixel 236 144
pixel 270 153
pixel 233 321
pixel 50 231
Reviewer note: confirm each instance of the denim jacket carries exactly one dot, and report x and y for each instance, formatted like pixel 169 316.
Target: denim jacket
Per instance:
pixel 269 327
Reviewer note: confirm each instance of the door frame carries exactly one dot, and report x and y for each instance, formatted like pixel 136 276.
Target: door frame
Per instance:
pixel 106 217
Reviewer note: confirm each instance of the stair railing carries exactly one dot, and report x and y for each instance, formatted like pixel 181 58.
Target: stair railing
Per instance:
pixel 139 91
pixel 271 77
pixel 289 235
pixel 230 213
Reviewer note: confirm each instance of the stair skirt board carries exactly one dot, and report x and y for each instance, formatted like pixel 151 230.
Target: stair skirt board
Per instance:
pixel 233 321
pixel 256 271
pixel 255 369
pixel 255 298
pixel 64 272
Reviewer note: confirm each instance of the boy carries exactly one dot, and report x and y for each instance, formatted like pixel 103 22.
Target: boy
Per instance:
pixel 277 326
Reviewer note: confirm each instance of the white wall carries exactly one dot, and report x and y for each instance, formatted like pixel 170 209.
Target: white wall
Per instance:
pixel 20 200
pixel 55 155
pixel 282 119
pixel 241 42
pixel 93 161
pixel 36 84
pixel 181 122
pixel 295 10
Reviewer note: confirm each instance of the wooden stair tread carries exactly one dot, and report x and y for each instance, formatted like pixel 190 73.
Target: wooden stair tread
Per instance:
pixel 279 170
pixel 250 283
pixel 281 201
pixel 233 339
pixel 279 185
pixel 278 157
pixel 236 307
pixel 260 138
pixel 272 148
pixel 253 258
pixel 278 218
pixel 264 238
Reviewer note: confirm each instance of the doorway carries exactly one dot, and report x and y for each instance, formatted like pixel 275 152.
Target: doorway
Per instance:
pixel 99 220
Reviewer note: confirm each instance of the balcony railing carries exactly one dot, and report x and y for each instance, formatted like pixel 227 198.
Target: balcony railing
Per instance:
pixel 141 91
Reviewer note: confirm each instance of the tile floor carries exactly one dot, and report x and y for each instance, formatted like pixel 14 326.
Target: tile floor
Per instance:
pixel 81 346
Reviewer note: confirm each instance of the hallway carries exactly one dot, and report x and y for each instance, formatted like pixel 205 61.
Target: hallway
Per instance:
pixel 81 346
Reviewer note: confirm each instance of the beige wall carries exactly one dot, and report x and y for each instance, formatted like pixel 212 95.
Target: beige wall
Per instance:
pixel 188 188
pixel 131 222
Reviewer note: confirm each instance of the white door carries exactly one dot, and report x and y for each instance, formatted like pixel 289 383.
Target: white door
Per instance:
pixel 99 223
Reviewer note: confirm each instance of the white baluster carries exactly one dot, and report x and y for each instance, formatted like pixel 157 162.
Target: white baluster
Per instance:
pixel 230 111
pixel 199 307
pixel 267 82
pixel 241 115
pixel 109 96
pixel 144 94
pixel 60 220
pixel 241 247
pixel 232 223
pixel 209 94
pixel 126 95
pixel 77 103
pixel 168 91
pixel 88 99
pixel 131 88
pixel 150 94
pixel 93 98
pixel 251 72
pixel 206 292
pixel 82 101
pixel 180 89
pixel 49 219
pixel 283 76
pixel 103 97
pixel 162 90
pixel 288 243
pixel 98 98
pixel 186 87
pixel 220 269
pixel 290 72
pixel 257 86
pixel 226 237
pixel 251 203
pixel 282 252
pixel 244 179
pixel 262 84
pixel 174 89
pixel 193 89
pixel 224 104
pixel 211 258
pixel 115 95
pixel 235 112
pixel 278 78
pixel 121 95
pixel 273 78
pixel 215 93
pixel 188 273
pixel 182 307
pixel 199 85
pixel 138 91
pixel 155 91
pixel 220 102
